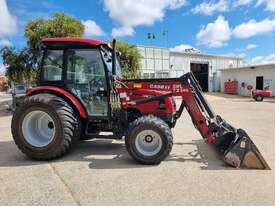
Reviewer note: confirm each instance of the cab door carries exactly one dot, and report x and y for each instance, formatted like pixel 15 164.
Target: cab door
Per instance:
pixel 87 80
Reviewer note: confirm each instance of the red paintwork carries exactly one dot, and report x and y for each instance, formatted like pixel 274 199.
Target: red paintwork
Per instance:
pixel 265 93
pixel 231 87
pixel 75 40
pixel 160 88
pixel 74 100
pixel 150 107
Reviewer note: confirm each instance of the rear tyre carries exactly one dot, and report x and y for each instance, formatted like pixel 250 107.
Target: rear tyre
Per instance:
pixel 149 140
pixel 45 127
pixel 259 98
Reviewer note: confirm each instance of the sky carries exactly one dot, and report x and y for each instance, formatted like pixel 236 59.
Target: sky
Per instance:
pixel 244 28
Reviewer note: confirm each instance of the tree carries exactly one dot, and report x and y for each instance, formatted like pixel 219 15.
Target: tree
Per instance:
pixel 130 60
pixel 20 68
pixel 22 65
pixel 60 25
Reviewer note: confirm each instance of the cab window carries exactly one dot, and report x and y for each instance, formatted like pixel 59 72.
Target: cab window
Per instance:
pixel 52 66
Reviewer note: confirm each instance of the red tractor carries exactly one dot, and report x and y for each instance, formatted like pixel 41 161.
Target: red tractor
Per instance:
pixel 259 95
pixel 81 93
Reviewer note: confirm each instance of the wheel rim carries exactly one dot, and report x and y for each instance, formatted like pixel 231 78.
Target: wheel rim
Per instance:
pixel 259 98
pixel 148 142
pixel 38 128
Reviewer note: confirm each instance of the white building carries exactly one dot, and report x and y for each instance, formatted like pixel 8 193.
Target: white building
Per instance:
pixel 163 63
pixel 155 62
pixel 252 76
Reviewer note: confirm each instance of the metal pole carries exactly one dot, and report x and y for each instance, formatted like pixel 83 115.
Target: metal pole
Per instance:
pixel 114 57
pixel 167 44
pixel 166 34
pixel 13 97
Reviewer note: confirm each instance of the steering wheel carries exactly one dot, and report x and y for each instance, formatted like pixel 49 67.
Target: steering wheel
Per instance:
pixel 96 84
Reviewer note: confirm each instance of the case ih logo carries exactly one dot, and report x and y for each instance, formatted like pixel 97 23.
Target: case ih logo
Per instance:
pixel 176 88
pixel 159 86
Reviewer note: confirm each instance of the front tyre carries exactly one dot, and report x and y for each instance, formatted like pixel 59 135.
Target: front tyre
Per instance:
pixel 259 98
pixel 45 127
pixel 149 140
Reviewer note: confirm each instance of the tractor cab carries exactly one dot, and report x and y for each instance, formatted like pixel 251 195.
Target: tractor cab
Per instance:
pixel 82 67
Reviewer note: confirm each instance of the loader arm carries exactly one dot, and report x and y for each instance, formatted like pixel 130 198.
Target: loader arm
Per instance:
pixel 234 144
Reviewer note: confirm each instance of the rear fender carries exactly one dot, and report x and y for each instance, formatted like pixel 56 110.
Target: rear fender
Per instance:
pixel 61 92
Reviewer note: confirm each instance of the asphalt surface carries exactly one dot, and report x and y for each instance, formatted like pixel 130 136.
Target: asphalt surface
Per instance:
pixel 100 172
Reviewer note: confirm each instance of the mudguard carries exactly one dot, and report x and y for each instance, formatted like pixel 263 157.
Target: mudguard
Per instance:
pixel 78 105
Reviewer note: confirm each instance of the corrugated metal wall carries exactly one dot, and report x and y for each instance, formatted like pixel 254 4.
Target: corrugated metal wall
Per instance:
pixel 182 62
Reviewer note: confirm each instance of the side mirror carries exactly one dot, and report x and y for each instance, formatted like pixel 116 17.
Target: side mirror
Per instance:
pixel 118 54
pixel 107 58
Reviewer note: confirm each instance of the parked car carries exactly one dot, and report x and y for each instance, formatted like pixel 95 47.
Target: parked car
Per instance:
pixel 18 93
pixel 20 90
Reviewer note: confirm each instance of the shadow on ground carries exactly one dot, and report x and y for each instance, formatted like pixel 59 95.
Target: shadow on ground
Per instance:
pixel 5 113
pixel 226 96
pixel 203 153
pixel 110 154
pixel 246 100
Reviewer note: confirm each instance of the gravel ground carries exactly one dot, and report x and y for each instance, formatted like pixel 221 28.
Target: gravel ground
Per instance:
pixel 100 172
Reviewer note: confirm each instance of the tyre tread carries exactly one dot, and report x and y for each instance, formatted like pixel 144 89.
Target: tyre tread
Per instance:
pixel 157 123
pixel 69 120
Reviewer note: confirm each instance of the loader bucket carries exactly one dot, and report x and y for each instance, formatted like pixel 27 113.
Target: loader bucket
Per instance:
pixel 239 151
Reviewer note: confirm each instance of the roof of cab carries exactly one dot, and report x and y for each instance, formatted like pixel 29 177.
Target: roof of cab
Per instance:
pixel 74 40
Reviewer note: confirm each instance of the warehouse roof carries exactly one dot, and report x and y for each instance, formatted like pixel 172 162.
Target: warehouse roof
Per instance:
pixel 207 55
pixel 192 53
pixel 269 65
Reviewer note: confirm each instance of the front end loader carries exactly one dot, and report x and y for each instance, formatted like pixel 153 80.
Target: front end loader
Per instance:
pixel 236 147
pixel 81 93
